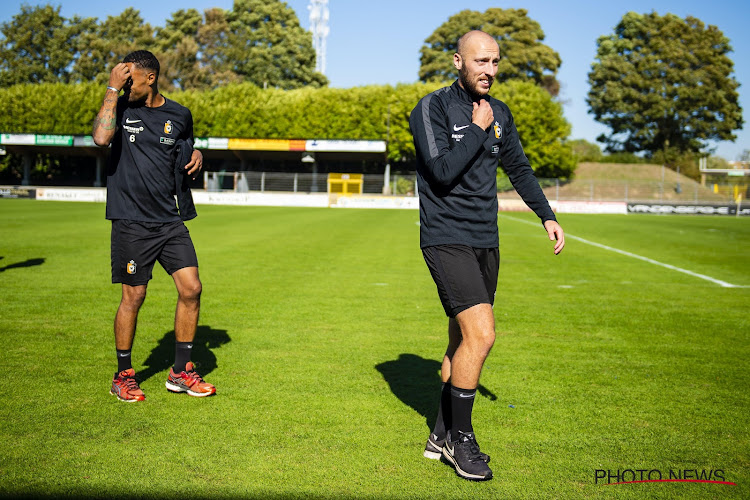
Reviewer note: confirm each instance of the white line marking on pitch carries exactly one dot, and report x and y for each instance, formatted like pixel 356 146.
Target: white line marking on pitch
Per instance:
pixel 635 256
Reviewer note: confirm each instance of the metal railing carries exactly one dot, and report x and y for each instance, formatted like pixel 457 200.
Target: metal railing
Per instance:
pixel 405 185
pixel 629 191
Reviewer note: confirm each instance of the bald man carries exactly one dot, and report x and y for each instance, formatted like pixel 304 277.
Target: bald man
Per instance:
pixel 460 135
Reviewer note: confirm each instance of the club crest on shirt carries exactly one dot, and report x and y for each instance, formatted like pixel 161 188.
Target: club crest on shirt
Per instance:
pixel 168 127
pixel 498 131
pixel 131 267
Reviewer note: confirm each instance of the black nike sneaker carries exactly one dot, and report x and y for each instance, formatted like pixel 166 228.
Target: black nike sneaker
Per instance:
pixel 434 447
pixel 466 458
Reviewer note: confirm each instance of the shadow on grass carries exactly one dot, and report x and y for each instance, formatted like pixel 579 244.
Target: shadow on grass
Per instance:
pixel 26 263
pixel 86 493
pixel 162 356
pixel 416 382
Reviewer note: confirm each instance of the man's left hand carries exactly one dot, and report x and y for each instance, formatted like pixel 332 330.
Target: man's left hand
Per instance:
pixel 195 165
pixel 555 232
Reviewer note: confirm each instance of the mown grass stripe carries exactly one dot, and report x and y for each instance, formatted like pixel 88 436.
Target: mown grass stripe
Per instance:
pixel 636 256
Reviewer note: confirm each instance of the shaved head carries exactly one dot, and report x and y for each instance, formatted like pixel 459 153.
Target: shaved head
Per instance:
pixel 476 59
pixel 470 38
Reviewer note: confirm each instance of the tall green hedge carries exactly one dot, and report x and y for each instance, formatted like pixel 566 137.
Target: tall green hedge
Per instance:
pixel 375 112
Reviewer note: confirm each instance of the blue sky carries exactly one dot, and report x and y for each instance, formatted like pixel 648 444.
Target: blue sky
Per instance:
pixel 378 42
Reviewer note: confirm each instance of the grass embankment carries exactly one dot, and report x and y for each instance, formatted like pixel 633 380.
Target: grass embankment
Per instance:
pixel 634 183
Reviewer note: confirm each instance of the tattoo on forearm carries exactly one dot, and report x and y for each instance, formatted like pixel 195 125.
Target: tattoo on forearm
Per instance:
pixel 105 122
pixel 106 118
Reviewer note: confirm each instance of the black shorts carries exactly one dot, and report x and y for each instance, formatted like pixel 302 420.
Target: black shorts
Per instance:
pixel 136 246
pixel 465 276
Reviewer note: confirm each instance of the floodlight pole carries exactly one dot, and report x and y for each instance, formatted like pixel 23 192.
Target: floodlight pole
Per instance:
pixel 387 173
pixel 319 28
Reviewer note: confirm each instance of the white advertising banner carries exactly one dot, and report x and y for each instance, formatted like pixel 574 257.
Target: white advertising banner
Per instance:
pixel 345 146
pixel 211 143
pixel 405 202
pixel 592 207
pixel 261 199
pixel 18 139
pixel 71 194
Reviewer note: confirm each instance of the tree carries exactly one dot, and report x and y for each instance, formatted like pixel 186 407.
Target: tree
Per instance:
pixel 100 48
pixel 267 45
pixel 258 41
pixel 523 56
pixel 90 53
pixel 664 84
pixel 716 162
pixel 542 128
pixel 213 40
pixel 177 51
pixel 38 45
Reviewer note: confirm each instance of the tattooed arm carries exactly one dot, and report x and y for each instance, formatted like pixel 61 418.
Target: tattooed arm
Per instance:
pixel 105 123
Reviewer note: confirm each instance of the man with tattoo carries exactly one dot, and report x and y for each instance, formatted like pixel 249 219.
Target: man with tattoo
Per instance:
pixel 152 151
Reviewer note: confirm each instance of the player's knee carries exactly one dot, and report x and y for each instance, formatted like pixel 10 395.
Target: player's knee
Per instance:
pixel 191 292
pixel 133 298
pixel 480 341
pixel 486 340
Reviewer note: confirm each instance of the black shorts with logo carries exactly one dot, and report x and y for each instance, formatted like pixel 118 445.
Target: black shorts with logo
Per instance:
pixel 136 246
pixel 465 276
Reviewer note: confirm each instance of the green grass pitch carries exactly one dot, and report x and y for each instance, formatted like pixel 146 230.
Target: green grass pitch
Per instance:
pixel 322 330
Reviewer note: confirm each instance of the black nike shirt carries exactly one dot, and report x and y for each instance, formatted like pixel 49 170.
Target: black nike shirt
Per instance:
pixel 457 165
pixel 140 177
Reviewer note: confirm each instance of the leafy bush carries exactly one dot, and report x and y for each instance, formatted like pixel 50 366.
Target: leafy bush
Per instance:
pixel 374 112
pixel 405 185
pixel 584 150
pixel 622 157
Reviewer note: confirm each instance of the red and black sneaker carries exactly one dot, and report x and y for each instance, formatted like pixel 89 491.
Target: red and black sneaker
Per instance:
pixel 189 381
pixel 125 387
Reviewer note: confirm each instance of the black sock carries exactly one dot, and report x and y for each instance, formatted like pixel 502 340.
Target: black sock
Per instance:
pixel 462 402
pixel 182 351
pixel 123 360
pixel 443 421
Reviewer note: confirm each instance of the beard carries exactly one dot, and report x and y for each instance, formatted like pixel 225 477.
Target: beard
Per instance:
pixel 134 98
pixel 472 86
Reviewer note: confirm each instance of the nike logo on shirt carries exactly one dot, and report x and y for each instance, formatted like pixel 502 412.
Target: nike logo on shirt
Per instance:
pixel 128 120
pixel 456 128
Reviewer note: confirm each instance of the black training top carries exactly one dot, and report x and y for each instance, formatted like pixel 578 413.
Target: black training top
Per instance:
pixel 141 179
pixel 457 169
